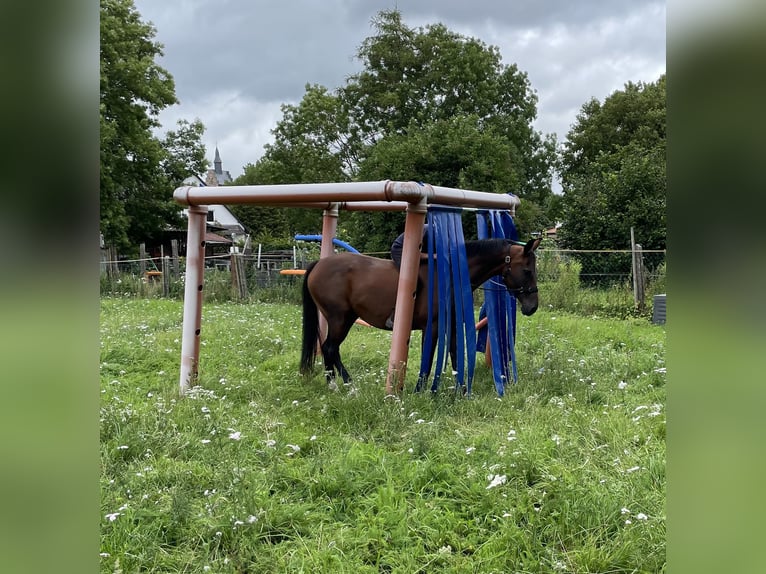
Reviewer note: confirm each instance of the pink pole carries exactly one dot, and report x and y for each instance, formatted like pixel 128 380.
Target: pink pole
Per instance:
pixel 345 193
pixel 192 321
pixel 405 296
pixel 329 228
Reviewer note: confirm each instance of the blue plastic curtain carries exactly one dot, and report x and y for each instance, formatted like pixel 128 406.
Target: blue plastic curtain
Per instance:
pixel 499 305
pixel 449 272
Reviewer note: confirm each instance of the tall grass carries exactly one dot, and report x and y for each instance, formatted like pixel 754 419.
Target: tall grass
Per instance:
pixel 260 470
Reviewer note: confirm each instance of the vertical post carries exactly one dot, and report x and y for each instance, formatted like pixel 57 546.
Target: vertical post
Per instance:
pixel 640 276
pixel 142 260
pixel 112 268
pixel 405 295
pixel 637 268
pixel 238 275
pixel 329 228
pixel 166 276
pixel 174 253
pixel 192 318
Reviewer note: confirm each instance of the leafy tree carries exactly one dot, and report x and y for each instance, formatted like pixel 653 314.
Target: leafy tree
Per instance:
pixel 414 78
pixel 184 151
pixel 138 171
pixel 429 105
pixel 614 171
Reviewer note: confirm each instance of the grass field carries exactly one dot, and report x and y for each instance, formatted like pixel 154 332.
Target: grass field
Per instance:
pixel 259 470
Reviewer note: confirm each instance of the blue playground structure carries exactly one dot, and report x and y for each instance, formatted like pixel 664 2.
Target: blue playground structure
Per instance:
pixel 335 241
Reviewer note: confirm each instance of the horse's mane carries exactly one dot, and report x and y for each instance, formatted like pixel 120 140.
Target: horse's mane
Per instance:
pixel 484 246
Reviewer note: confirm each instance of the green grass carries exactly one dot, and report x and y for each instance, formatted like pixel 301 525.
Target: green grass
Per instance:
pixel 260 470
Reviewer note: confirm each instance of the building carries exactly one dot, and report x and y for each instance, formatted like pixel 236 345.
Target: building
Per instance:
pixel 217 175
pixel 220 220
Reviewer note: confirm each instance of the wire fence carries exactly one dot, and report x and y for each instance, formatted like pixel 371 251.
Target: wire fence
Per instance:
pixel 567 279
pixel 598 267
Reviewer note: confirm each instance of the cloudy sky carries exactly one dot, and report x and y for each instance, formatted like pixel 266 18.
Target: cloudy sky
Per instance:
pixel 236 61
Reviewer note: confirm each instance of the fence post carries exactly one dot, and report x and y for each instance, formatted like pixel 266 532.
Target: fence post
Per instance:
pixel 142 260
pixel 111 268
pixel 175 267
pixel 166 276
pixel 239 275
pixel 638 272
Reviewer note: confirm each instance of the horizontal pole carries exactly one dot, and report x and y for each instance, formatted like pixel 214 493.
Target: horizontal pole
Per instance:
pixel 347 194
pixel 353 206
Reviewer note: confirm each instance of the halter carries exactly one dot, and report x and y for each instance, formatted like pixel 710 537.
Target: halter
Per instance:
pixel 518 291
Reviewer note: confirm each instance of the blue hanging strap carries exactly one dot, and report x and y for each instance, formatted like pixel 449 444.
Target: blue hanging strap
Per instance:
pixel 445 298
pixel 500 306
pixel 465 323
pixel 448 281
pixel 428 342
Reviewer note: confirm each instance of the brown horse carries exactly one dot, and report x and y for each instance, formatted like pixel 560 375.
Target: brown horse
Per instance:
pixel 347 286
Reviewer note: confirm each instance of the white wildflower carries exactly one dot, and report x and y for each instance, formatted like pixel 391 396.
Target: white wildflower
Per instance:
pixel 235 435
pixel 641 516
pixel 113 516
pixel 622 385
pixel 470 449
pixel 496 480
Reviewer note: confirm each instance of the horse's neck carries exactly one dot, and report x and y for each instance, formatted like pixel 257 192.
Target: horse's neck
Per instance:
pixel 485 266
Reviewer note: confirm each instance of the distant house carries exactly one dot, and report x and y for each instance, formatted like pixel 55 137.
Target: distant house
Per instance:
pixel 552 233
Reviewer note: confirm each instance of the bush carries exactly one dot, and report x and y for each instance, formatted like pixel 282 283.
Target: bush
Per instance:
pixel 563 292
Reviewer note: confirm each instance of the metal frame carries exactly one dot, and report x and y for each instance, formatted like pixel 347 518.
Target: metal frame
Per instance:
pixel 383 195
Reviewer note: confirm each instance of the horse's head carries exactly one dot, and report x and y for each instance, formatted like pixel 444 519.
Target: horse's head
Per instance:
pixel 520 275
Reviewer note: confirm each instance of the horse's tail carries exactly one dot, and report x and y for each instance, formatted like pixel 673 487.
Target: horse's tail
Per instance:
pixel 310 325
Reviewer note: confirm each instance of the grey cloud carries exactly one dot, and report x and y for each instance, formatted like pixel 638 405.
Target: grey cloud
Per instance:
pixel 243 57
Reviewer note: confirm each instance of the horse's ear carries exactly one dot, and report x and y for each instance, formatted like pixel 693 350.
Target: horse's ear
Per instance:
pixel 531 245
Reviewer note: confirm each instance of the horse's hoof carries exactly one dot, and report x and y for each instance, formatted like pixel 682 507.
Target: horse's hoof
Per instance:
pixel 332 385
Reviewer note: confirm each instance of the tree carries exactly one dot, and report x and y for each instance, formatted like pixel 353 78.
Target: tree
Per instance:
pixel 429 105
pixel 413 78
pixel 184 151
pixel 138 171
pixel 614 169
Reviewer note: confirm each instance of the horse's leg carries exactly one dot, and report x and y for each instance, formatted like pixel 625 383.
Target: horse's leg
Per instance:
pixel 337 331
pixel 423 378
pixel 349 321
pixel 453 361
